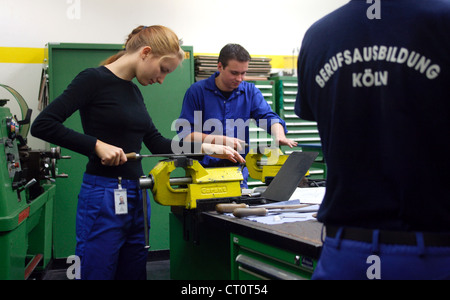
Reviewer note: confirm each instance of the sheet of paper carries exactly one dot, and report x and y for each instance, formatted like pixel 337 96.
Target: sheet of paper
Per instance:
pixel 309 195
pixel 278 217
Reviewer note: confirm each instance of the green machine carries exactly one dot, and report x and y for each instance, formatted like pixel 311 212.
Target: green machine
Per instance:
pixel 26 197
pixel 63 62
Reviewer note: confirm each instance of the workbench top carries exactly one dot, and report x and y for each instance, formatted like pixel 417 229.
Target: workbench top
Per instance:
pixel 295 236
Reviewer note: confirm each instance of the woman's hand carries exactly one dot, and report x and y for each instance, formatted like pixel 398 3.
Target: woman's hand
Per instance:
pixel 222 152
pixel 234 143
pixel 110 155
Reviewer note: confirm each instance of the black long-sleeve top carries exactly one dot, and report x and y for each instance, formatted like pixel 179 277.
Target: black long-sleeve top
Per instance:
pixel 113 111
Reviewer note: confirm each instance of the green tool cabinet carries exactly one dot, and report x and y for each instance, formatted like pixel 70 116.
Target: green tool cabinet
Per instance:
pixel 254 260
pixel 259 136
pixel 212 246
pixel 63 62
pixel 302 131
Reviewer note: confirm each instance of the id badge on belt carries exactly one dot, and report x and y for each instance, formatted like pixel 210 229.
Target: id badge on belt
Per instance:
pixel 120 199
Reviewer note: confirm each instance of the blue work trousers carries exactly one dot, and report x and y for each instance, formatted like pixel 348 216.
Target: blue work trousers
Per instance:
pixel 110 246
pixel 343 259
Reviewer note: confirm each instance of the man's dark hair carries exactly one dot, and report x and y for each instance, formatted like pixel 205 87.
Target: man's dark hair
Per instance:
pixel 233 51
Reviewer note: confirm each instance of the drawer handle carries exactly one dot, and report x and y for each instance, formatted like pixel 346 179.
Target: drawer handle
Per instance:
pixel 264 270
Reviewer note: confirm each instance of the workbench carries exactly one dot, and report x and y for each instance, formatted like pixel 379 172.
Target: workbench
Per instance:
pixel 212 246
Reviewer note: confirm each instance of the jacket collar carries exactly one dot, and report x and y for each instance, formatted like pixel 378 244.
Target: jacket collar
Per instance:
pixel 211 84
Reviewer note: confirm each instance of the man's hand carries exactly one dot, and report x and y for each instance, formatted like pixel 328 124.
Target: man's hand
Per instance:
pixel 286 142
pixel 280 138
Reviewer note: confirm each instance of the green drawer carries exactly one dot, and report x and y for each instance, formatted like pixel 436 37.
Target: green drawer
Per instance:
pixel 251 260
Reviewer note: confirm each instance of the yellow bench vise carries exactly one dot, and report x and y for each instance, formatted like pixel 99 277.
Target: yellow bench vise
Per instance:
pixel 199 183
pixel 259 169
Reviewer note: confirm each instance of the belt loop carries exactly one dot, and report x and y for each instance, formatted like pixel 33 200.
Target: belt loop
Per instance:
pixel 338 237
pixel 375 241
pixel 420 244
pixel 322 233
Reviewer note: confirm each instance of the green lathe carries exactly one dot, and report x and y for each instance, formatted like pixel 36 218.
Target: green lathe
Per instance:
pixel 26 197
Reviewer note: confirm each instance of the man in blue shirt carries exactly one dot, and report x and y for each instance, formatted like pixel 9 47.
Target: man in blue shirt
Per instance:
pixel 218 110
pixel 376 78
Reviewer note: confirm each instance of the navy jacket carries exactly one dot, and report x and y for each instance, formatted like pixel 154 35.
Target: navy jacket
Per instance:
pixel 380 92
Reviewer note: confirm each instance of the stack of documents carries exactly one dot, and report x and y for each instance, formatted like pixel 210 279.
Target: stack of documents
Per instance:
pixel 313 196
pixel 280 217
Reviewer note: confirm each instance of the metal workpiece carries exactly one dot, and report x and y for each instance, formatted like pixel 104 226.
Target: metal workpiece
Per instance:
pixel 148 182
pixel 137 156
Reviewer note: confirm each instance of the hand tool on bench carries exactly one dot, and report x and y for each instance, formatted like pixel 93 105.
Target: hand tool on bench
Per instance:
pixel 278 218
pixel 247 212
pixel 223 208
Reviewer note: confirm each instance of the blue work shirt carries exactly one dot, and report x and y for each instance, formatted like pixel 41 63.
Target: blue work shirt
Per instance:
pixel 206 110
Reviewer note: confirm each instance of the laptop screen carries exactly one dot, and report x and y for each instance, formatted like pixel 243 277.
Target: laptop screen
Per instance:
pixel 288 178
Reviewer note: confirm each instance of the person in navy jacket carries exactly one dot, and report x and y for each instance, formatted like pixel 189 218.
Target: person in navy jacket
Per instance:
pixel 376 78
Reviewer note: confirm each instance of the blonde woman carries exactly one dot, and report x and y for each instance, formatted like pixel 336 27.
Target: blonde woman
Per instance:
pixel 115 121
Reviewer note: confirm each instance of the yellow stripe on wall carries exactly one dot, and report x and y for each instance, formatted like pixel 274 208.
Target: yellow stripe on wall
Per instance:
pixel 281 61
pixel 22 55
pixel 278 61
pixel 36 56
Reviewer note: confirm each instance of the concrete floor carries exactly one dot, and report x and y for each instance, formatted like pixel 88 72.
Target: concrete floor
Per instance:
pixel 158 268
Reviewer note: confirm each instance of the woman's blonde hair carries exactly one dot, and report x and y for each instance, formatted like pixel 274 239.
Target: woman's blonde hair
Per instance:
pixel 163 41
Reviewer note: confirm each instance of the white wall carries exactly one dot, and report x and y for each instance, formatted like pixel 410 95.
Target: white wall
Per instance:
pixel 271 27
pixel 264 27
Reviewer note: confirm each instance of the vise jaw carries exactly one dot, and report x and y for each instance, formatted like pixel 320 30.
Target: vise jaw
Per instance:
pixel 259 169
pixel 199 183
